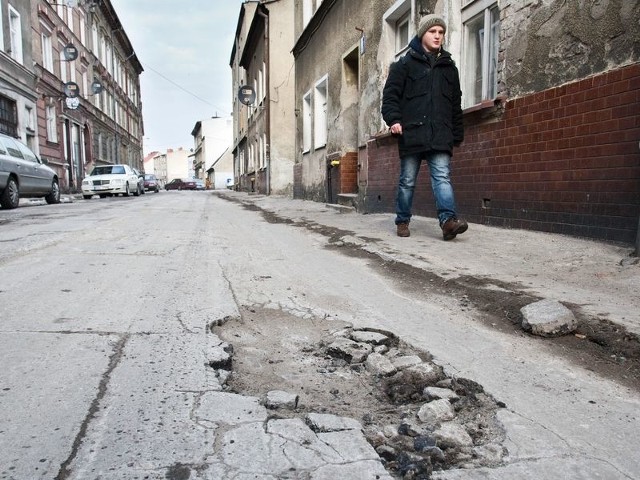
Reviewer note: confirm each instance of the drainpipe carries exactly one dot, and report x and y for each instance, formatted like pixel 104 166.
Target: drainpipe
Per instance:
pixel 267 101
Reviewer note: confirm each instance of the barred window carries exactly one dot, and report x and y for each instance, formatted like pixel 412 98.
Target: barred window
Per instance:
pixel 8 117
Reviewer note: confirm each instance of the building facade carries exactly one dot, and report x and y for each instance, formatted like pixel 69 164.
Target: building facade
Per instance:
pixel 18 96
pixel 550 98
pixel 212 139
pixel 264 128
pixel 89 105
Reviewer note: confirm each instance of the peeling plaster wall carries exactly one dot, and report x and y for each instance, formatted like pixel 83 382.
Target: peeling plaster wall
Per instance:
pixel 545 43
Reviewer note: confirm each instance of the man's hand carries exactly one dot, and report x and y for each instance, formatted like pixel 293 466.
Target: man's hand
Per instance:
pixel 396 129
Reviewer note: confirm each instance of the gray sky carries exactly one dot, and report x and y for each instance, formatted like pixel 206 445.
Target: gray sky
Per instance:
pixel 184 48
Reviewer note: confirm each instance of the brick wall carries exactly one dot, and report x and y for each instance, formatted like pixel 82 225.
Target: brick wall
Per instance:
pixel 298 191
pixel 565 160
pixel 349 173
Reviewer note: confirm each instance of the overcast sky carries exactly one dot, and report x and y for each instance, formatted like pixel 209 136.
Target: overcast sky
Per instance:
pixel 184 48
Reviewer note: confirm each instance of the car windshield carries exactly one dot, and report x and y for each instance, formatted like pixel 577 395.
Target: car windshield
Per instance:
pixel 108 169
pixel 149 177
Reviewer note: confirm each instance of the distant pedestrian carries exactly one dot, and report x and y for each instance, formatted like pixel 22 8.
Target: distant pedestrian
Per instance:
pixel 422 105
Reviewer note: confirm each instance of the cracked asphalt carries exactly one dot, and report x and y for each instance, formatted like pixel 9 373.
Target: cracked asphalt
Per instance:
pixel 107 305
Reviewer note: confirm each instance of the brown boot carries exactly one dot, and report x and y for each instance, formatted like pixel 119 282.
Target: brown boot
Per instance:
pixel 403 229
pixel 453 227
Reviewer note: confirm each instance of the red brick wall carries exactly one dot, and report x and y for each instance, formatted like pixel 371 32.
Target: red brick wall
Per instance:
pixel 565 160
pixel 349 173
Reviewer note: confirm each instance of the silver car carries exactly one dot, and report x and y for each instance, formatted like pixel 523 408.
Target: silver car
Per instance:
pixel 22 174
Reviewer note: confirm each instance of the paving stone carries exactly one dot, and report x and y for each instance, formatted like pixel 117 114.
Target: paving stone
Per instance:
pixel 325 422
pixel 276 399
pixel 452 435
pixel 351 445
pixel 548 318
pixel 301 445
pixel 230 409
pixel 436 412
pixel 369 337
pixel 434 393
pixel 351 351
pixel 406 361
pixel 365 470
pixel 380 365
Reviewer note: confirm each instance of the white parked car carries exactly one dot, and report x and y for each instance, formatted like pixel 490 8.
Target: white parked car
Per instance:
pixel 110 180
pixel 22 174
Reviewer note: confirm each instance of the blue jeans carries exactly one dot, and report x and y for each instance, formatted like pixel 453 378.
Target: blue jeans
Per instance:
pixel 439 168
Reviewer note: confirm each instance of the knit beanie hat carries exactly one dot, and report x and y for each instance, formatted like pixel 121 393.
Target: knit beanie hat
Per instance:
pixel 429 21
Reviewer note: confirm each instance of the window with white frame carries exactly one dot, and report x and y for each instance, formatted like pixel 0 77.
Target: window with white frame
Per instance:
pixel 309 8
pixel 94 39
pixel 15 34
pixel 397 26
pixel 1 29
pixel 47 49
pixel 63 66
pixel 320 95
pixel 83 29
pixel 306 122
pixel 30 119
pixel 50 116
pixel 481 26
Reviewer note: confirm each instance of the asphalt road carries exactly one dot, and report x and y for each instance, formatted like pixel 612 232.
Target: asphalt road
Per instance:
pixel 104 314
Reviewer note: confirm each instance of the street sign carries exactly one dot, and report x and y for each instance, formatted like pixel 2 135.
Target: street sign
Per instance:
pixel 72 103
pixel 247 94
pixel 71 90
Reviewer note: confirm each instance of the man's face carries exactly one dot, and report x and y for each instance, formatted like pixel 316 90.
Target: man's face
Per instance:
pixel 432 39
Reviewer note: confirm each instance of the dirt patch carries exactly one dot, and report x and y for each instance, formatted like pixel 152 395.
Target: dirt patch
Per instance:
pixel 329 366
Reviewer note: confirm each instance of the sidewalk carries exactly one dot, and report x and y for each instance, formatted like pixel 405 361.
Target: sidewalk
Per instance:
pixel 600 279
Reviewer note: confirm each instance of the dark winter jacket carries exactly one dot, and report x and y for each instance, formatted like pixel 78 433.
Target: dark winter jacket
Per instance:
pixel 422 93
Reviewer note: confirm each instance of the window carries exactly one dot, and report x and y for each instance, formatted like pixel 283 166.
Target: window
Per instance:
pixel 480 80
pixel 94 39
pixel 397 27
pixel 320 114
pixel 52 131
pixel 83 30
pixel 306 122
pixel 30 119
pixel 402 32
pixel 8 117
pixel 15 34
pixel 47 49
pixel 64 77
pixel 309 8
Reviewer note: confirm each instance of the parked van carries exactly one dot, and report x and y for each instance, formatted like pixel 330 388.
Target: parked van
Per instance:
pixel 22 174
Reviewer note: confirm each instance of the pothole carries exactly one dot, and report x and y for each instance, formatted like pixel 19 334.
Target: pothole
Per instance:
pixel 416 417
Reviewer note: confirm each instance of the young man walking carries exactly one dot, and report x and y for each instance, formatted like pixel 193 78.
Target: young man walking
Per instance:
pixel 421 104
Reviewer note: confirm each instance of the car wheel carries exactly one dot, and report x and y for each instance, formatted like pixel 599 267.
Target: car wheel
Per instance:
pixel 157 190
pixel 137 192
pixel 104 195
pixel 11 195
pixel 54 194
pixel 126 190
pixel 88 197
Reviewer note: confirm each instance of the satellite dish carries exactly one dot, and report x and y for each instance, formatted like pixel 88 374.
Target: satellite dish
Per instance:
pixel 247 94
pixel 70 52
pixel 71 90
pixel 97 87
